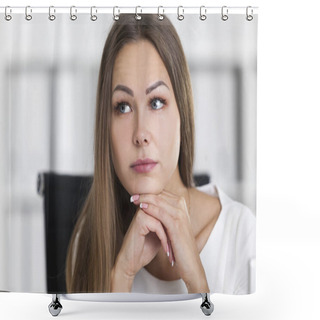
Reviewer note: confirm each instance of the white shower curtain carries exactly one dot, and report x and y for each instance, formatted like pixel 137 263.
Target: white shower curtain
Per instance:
pixel 49 75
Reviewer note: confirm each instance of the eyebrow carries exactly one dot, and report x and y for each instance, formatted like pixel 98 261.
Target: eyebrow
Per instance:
pixel 120 87
pixel 127 90
pixel 156 85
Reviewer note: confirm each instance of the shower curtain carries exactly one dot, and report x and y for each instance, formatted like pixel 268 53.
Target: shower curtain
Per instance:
pixel 49 90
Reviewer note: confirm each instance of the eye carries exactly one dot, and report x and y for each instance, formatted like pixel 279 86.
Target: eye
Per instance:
pixel 122 107
pixel 157 103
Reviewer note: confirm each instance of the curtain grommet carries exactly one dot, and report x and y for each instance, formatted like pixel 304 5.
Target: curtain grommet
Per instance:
pixel 160 15
pixel 137 16
pixel 28 12
pixel 7 15
pixel 180 13
pixel 224 13
pixel 73 12
pixel 52 10
pixel 203 13
pixel 116 16
pixel 93 17
pixel 249 17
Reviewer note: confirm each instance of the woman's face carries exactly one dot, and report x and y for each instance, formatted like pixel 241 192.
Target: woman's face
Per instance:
pixel 145 123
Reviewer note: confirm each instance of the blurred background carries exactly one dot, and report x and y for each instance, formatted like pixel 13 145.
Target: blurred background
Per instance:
pixel 48 77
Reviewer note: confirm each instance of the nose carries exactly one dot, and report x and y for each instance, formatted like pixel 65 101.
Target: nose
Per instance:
pixel 141 136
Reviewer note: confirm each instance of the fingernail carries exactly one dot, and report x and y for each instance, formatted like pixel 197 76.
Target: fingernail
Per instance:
pixel 134 198
pixel 143 205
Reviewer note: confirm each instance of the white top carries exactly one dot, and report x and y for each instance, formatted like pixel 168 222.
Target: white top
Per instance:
pixel 226 257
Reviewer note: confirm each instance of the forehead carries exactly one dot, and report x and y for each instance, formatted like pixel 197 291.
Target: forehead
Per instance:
pixel 138 63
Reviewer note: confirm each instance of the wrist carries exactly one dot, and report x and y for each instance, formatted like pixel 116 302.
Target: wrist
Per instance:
pixel 197 283
pixel 121 281
pixel 199 286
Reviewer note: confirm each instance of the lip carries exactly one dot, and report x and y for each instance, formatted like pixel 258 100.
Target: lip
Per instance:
pixel 143 165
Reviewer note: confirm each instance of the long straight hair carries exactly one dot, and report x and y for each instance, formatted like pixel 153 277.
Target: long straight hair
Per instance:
pixel 107 213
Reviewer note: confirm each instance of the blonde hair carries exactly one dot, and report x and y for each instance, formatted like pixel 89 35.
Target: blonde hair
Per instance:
pixel 107 213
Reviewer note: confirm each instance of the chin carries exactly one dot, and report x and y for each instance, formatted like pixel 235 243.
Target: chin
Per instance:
pixel 143 187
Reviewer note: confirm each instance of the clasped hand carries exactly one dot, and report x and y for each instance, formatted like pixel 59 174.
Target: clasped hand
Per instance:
pixel 160 221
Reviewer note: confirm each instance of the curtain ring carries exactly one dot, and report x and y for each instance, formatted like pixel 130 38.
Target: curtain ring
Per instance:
pixel 8 17
pixel 52 17
pixel 28 15
pixel 93 17
pixel 224 13
pixel 137 16
pixel 180 13
pixel 249 17
pixel 116 17
pixel 203 13
pixel 160 15
pixel 73 16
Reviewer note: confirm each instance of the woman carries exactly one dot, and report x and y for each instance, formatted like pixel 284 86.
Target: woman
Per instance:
pixel 144 225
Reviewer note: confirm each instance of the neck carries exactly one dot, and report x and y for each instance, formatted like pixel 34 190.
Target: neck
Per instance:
pixel 175 184
pixel 176 187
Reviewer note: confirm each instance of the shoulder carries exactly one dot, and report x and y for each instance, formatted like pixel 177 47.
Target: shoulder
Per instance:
pixel 237 211
pixel 206 201
pixel 230 248
pixel 238 227
pixel 205 212
pixel 234 215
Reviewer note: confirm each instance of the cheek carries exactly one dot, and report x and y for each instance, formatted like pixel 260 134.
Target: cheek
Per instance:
pixel 117 145
pixel 172 138
pixel 177 142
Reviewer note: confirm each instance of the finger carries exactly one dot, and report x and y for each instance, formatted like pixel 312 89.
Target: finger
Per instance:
pixel 171 198
pixel 171 259
pixel 169 248
pixel 153 198
pixel 161 214
pixel 153 225
pixel 163 198
pixel 168 194
pixel 170 208
pixel 179 202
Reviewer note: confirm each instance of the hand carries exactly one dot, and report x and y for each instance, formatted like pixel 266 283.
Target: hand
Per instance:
pixel 141 244
pixel 172 212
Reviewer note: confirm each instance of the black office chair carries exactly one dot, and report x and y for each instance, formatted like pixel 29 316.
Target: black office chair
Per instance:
pixel 64 197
